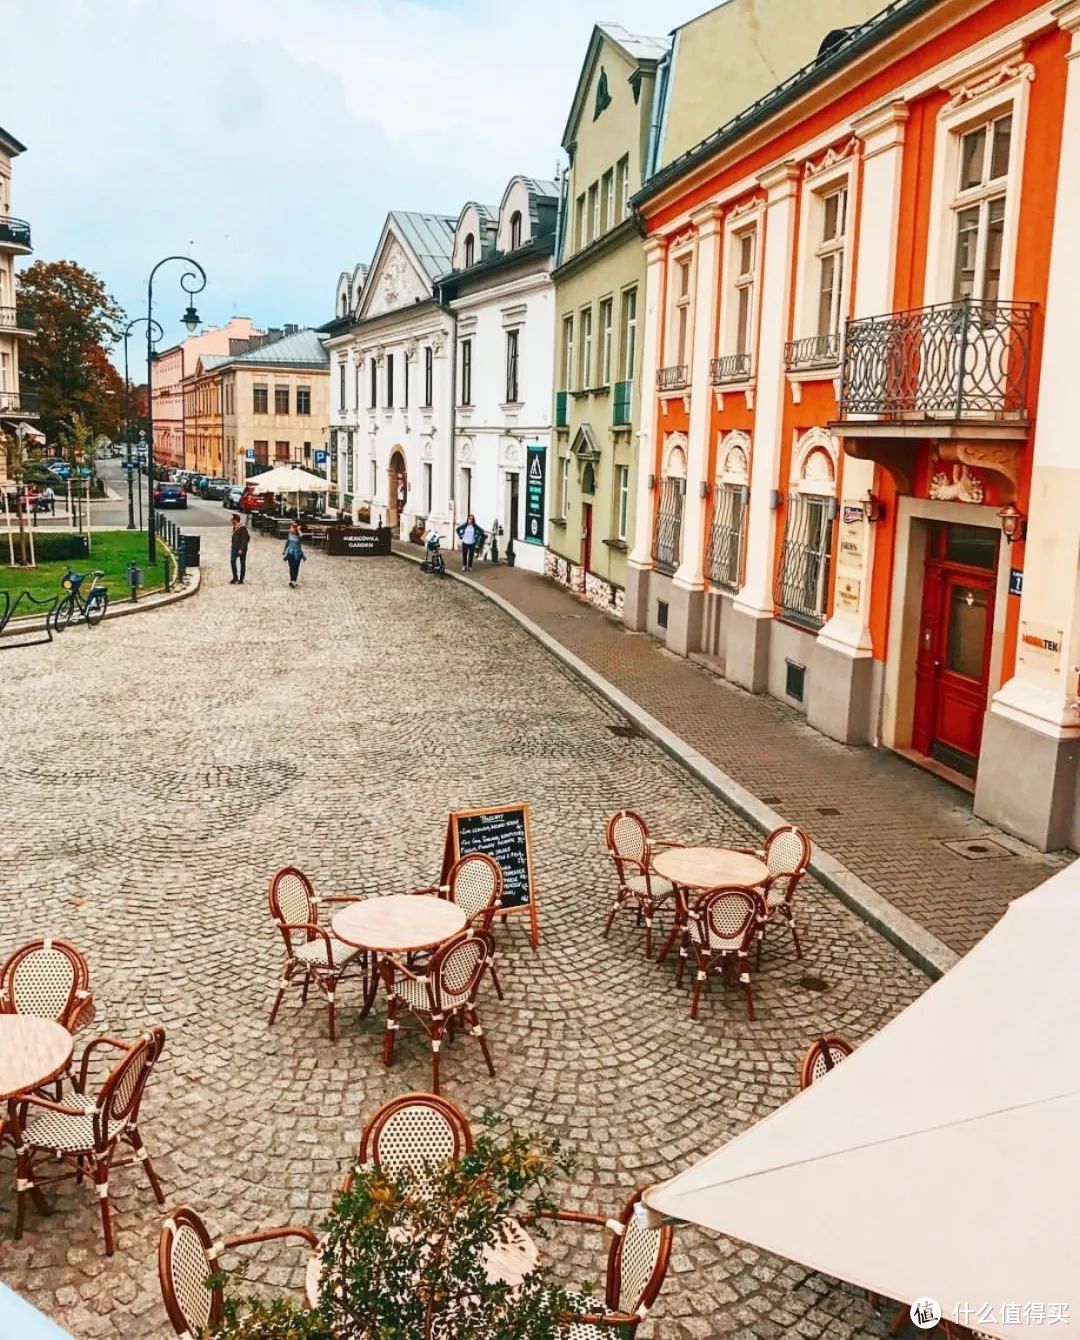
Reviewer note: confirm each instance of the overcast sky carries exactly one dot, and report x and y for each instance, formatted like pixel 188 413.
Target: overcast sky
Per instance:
pixel 268 138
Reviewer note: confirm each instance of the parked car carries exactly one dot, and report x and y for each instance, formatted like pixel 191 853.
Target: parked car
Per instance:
pixel 254 502
pixel 60 470
pixel 169 495
pixel 232 497
pixel 214 487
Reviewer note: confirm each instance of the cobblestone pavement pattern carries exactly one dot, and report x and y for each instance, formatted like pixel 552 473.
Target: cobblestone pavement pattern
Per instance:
pixel 884 818
pixel 158 769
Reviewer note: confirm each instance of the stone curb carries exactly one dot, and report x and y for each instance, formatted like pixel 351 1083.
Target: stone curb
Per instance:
pixel 36 624
pixel 929 954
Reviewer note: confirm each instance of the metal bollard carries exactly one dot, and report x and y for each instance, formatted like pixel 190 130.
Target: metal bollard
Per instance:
pixel 135 580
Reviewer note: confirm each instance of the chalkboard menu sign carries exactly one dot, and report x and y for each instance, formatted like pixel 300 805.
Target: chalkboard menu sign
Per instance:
pixel 358 541
pixel 502 834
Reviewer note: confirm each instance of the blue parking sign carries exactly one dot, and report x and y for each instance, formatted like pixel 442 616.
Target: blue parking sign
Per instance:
pixel 320 458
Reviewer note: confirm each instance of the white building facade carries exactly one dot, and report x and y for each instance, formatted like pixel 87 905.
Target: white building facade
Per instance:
pixel 391 352
pixel 503 302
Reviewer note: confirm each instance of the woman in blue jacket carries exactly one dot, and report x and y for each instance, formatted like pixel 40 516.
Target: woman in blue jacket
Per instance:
pixel 294 553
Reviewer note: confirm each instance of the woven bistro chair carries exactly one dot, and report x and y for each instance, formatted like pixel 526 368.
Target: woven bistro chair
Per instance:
pixel 191 1281
pixel 416 1131
pixel 86 1131
pixel 312 954
pixel 631 849
pixel 787 854
pixel 637 1262
pixel 475 884
pixel 720 930
pixel 441 995
pixel 49 979
pixel 821 1057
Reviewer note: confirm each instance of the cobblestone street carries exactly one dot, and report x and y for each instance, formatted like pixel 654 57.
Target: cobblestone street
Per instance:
pixel 160 768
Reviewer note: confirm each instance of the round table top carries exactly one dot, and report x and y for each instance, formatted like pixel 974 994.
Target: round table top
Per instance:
pixel 709 867
pixel 398 923
pixel 32 1052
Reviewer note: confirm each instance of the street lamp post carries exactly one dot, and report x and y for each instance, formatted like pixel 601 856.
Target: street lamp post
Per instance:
pixel 189 282
pixel 159 334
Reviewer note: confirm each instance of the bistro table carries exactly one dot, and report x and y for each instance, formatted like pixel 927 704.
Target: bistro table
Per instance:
pixel 32 1052
pixel 399 923
pixel 704 868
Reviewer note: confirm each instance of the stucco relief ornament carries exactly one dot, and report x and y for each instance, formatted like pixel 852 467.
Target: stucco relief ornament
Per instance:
pixel 963 487
pixel 393 279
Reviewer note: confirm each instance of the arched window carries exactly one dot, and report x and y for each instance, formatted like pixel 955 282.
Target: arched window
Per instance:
pixel 344 304
pixel 802 580
pixel 667 533
pixel 515 230
pixel 470 250
pixel 731 494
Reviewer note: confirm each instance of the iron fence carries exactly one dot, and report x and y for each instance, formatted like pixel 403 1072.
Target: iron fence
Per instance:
pixel 667 533
pixel 16 232
pixel 673 378
pixel 957 359
pixel 730 368
pixel 812 351
pixel 802 579
pixel 724 555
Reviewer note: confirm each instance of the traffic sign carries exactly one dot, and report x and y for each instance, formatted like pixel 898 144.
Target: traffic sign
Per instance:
pixel 320 458
pixel 249 454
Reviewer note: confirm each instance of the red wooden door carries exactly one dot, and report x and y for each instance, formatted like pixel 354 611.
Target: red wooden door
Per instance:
pixel 952 669
pixel 586 536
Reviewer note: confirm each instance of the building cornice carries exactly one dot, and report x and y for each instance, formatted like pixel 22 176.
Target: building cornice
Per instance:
pixel 580 260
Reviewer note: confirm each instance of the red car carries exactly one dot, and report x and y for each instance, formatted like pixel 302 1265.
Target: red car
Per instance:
pixel 254 502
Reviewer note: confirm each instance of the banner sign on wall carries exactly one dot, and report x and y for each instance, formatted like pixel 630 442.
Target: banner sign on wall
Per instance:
pixel 535 491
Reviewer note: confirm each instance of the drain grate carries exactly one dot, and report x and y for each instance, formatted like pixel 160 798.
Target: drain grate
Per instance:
pixel 976 849
pixel 625 731
pixel 810 983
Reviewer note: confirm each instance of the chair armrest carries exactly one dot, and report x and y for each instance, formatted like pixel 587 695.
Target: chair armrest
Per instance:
pixel 759 852
pixel 400 967
pixel 32 1100
pixel 431 888
pixel 342 898
pixel 605 1319
pixel 664 842
pixel 269 1234
pixel 91 1046
pixel 566 1217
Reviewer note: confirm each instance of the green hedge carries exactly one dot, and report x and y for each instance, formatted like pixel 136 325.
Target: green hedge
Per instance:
pixel 52 546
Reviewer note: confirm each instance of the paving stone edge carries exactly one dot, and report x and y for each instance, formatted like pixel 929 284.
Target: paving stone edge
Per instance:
pixel 117 611
pixel 931 955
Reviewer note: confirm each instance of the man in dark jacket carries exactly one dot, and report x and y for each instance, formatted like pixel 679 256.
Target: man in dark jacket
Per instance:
pixel 238 547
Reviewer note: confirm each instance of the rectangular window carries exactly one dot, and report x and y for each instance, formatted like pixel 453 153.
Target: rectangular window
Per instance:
pixel 605 342
pixel 594 211
pixel 585 370
pixel 629 333
pixel 281 400
pixel 429 374
pixel 568 353
pixel 830 259
pixel 341 386
pixel 303 400
pixel 260 400
pixel 622 501
pixel 466 372
pixel 667 532
pixel 802 581
pixel 622 173
pixel 389 381
pixel 356 384
pixel 724 557
pixel 374 388
pixel 405 378
pixel 564 485
pixel 262 452
pixel 579 223
pixel 374 479
pixel 281 451
pixel 745 245
pixel 681 329
pixel 607 200
pixel 428 486
pixel 979 207
pixel 512 366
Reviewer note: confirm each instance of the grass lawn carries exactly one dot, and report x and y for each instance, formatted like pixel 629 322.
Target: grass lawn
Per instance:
pixel 111 551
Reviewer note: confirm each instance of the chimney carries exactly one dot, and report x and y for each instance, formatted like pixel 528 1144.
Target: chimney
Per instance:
pixel 291 328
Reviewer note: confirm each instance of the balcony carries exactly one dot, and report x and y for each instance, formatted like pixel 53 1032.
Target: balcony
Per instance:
pixel 562 417
pixel 813 351
pixel 731 368
pixel 674 378
pixel 14 235
pixel 18 319
pixel 622 405
pixel 16 406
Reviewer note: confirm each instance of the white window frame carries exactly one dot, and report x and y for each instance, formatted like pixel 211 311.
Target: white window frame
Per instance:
pixel 622 171
pixel 564 485
pixel 586 325
pixel 626 345
pixel 1006 94
pixel 607 338
pixel 622 502
pixel 680 302
pixel 568 352
pixel 593 209
pixel 815 191
pixel 738 223
pixel 607 203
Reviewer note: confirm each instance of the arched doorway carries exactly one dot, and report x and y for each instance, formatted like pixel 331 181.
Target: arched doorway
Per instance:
pixel 397 491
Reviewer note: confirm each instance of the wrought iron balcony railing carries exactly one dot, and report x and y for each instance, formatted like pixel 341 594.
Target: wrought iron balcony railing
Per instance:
pixel 14 232
pixel 18 406
pixel 813 351
pixel 962 359
pixel 17 318
pixel 730 368
pixel 674 378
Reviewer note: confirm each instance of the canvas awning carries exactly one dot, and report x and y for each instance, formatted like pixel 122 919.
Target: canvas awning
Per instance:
pixel 940 1159
pixel 288 479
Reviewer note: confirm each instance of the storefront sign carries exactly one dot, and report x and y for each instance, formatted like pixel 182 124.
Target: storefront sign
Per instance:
pixel 848 591
pixel 535 490
pixel 852 535
pixel 358 541
pixel 1040 646
pixel 503 834
pixel 1016 581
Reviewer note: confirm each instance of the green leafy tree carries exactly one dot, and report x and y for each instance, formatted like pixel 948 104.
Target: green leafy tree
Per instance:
pixel 67 364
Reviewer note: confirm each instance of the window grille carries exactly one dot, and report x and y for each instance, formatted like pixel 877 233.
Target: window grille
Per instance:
pixel 802 582
pixel 667 536
pixel 724 558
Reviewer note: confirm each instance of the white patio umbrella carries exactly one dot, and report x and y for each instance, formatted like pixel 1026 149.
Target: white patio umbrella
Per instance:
pixel 288 479
pixel 939 1160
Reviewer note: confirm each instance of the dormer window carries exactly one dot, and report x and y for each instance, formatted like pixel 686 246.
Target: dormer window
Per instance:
pixel 470 250
pixel 515 230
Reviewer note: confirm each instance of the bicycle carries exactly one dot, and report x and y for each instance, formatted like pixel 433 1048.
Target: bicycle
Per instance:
pixel 91 607
pixel 434 563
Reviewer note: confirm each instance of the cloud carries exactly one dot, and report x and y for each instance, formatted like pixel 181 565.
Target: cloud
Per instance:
pixel 268 138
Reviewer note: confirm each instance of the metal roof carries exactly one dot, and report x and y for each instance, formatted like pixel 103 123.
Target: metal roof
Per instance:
pixel 636 46
pixel 303 346
pixel 10 144
pixel 429 236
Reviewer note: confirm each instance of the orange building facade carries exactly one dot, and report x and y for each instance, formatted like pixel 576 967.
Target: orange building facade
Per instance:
pixel 857 485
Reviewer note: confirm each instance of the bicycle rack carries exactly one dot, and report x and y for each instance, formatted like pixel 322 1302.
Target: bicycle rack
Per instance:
pixel 7 613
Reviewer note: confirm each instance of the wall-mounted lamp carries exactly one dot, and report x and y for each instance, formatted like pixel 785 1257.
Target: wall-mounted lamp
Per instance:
pixel 652 482
pixel 774 500
pixel 682 486
pixel 874 507
pixel 1013 523
pixel 832 509
pixel 703 489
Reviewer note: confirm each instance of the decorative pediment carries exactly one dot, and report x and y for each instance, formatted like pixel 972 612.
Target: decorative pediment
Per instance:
pixel 981 83
pixel 585 446
pixel 395 280
pixel 830 158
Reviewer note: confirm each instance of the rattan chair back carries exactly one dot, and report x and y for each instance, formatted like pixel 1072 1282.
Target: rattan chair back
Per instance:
pixel 43 978
pixel 628 843
pixel 475 884
pixel 821 1057
pixel 416 1131
pixel 725 919
pixel 787 854
pixel 293 902
pixel 122 1093
pixel 456 969
pixel 186 1259
pixel 637 1262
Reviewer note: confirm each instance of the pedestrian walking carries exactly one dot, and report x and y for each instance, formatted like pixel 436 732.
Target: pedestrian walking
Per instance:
pixel 471 537
pixel 238 547
pixel 294 553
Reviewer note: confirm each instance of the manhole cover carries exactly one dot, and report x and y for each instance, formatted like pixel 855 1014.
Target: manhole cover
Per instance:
pixel 977 849
pixel 827 809
pixel 626 731
pixel 810 983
